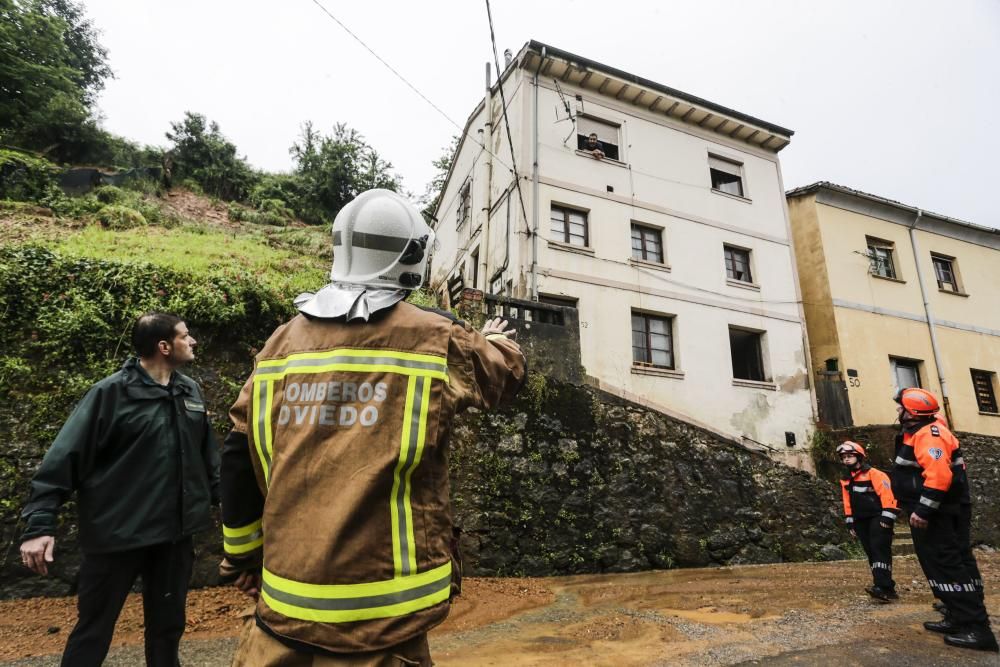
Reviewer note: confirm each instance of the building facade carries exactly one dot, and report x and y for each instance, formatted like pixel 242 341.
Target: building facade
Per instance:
pixel 894 297
pixel 670 237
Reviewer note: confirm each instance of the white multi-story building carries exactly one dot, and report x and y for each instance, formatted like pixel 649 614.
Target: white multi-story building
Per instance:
pixel 674 246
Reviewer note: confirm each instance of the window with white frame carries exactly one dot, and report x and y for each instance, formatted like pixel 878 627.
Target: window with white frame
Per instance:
pixel 946 272
pixel 608 134
pixel 727 175
pixel 647 243
pixel 905 372
pixel 737 264
pixel 881 257
pixel 652 340
pixel 568 225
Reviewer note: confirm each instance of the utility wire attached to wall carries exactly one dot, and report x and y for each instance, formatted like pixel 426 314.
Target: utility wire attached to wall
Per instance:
pixel 506 121
pixel 402 78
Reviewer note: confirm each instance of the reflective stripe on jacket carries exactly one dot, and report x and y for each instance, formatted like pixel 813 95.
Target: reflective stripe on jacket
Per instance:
pixel 929 473
pixel 867 492
pixel 348 427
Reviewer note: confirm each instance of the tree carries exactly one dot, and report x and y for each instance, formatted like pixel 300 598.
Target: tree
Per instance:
pixel 202 153
pixel 432 193
pixel 330 171
pixel 52 69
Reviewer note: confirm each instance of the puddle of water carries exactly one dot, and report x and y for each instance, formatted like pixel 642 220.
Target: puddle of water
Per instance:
pixel 713 616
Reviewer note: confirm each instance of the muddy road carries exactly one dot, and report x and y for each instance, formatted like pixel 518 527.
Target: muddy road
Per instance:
pixel 790 614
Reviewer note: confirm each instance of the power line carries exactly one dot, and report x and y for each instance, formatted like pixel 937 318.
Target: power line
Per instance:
pixel 506 121
pixel 414 88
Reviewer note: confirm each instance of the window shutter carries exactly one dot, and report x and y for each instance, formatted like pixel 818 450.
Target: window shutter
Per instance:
pixel 606 132
pixel 724 166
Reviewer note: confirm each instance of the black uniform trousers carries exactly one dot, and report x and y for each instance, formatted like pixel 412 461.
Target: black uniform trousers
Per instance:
pixel 946 558
pixel 877 543
pixel 105 582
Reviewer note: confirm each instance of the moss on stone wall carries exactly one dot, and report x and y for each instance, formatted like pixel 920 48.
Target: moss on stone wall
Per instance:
pixel 572 480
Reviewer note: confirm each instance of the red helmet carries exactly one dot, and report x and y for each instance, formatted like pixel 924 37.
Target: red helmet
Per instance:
pixel 918 402
pixel 850 447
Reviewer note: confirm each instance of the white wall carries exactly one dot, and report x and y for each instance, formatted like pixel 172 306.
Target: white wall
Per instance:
pixel 663 181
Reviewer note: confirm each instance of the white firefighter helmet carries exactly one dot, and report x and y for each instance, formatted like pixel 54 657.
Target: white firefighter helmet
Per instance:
pixel 381 241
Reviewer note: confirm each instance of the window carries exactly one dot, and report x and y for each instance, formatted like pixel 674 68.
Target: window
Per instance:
pixel 738 264
pixel 982 385
pixel 905 372
pixel 464 204
pixel 475 268
pixel 652 340
pixel 880 256
pixel 727 176
pixel 569 226
pixel 564 301
pixel 646 244
pixel 607 134
pixel 748 361
pixel 944 271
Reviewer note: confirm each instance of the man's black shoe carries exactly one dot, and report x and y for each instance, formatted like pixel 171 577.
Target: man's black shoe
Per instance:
pixel 944 626
pixel 880 594
pixel 893 595
pixel 940 606
pixel 981 640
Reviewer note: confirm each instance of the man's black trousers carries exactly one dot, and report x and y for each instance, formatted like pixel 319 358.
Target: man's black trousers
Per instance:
pixel 105 582
pixel 877 543
pixel 947 560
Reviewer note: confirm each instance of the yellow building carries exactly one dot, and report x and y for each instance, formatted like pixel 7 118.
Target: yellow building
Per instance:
pixel 895 296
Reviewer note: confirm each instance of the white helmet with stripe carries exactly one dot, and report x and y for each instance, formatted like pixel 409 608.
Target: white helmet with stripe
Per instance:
pixel 380 241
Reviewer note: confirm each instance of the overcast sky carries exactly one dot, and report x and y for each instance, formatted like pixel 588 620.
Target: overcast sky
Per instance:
pixel 898 98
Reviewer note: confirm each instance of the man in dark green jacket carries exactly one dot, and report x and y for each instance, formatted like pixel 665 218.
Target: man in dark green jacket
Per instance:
pixel 140 454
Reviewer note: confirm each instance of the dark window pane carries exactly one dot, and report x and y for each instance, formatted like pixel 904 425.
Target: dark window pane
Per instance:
pixel 728 183
pixel 982 384
pixel 745 349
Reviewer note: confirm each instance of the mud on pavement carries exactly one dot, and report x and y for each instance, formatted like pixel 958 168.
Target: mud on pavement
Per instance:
pixel 788 614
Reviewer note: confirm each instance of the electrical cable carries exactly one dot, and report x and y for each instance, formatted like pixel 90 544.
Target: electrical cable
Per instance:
pixel 412 87
pixel 506 121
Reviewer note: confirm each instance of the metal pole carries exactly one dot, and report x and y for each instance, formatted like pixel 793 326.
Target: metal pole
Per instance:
pixel 930 321
pixel 534 191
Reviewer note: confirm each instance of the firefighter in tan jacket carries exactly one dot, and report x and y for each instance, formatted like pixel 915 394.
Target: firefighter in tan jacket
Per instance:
pixel 335 475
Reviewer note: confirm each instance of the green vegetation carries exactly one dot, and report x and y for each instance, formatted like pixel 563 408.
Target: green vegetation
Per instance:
pixel 203 252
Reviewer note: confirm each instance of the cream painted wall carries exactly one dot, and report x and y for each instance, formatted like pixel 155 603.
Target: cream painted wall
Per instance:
pixel 867 340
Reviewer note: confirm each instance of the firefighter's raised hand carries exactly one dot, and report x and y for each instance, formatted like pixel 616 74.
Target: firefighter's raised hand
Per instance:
pixel 497 326
pixel 37 553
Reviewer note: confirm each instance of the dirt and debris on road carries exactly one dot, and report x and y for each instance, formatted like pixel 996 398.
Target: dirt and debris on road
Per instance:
pixel 788 614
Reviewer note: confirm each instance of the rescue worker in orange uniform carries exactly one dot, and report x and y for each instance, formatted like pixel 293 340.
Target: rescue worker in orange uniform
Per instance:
pixel 335 475
pixel 871 510
pixel 929 481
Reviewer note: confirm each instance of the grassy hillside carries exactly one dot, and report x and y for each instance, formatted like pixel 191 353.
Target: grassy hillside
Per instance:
pixel 76 271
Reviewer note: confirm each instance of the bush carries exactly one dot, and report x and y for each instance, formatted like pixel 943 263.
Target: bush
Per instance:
pixel 109 194
pixel 116 216
pixel 24 177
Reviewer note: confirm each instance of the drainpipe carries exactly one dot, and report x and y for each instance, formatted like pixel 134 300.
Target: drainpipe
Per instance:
pixel 484 245
pixel 534 190
pixel 930 321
